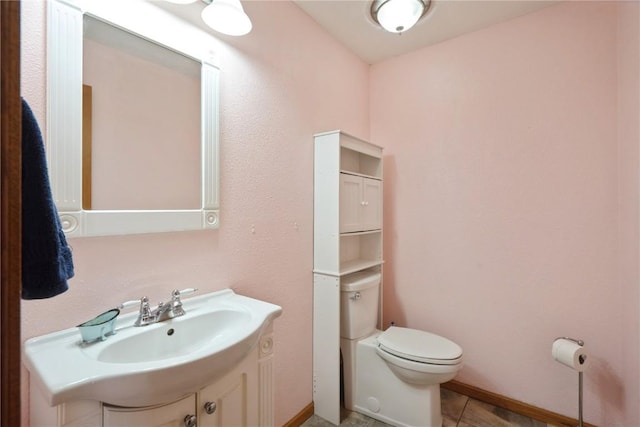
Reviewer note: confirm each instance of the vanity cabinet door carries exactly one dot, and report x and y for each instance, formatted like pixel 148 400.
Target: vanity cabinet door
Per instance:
pixel 171 415
pixel 232 401
pixel 224 404
pixel 80 413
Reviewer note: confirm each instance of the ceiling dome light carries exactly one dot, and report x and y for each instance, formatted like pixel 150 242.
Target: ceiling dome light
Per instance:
pixel 397 16
pixel 227 17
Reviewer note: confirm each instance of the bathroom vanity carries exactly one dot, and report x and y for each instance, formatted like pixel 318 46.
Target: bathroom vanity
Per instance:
pixel 241 397
pixel 212 366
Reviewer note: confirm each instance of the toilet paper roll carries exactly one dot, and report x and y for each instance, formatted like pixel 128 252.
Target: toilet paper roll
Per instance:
pixel 570 354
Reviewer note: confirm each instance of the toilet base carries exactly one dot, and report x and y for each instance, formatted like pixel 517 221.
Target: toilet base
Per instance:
pixel 378 393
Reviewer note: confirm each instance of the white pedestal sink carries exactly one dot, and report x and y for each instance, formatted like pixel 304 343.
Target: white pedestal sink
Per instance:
pixel 155 364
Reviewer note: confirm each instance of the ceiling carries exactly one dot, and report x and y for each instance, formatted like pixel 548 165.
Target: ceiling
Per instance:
pixel 350 23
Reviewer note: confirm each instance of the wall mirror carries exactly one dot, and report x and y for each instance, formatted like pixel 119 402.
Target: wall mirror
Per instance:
pixel 132 126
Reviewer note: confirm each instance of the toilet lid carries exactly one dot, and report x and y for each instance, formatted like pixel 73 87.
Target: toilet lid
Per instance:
pixel 419 346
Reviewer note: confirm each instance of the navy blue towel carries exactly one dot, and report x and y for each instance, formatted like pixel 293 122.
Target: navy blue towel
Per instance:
pixel 46 257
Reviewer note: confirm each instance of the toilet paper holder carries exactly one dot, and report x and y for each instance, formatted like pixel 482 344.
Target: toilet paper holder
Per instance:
pixel 579 342
pixel 580 380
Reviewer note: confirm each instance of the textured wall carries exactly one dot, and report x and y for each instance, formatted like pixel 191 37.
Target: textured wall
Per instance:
pixel 511 188
pixel 629 193
pixel 501 203
pixel 276 92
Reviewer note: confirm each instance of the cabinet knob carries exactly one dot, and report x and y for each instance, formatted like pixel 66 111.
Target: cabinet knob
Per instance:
pixel 190 421
pixel 210 407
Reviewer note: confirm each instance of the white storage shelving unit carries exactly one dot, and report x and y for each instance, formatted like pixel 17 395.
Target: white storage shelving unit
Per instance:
pixel 347 239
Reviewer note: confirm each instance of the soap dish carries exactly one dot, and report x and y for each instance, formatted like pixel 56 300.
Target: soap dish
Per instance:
pixel 99 327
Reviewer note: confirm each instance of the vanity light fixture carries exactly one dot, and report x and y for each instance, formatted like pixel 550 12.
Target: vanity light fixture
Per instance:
pixel 397 16
pixel 224 16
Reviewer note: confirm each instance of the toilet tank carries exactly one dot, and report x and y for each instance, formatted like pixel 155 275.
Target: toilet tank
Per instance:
pixel 359 304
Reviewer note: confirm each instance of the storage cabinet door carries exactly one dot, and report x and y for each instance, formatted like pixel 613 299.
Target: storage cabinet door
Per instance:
pixel 371 218
pixel 79 413
pixel 351 203
pixel 171 415
pixel 225 403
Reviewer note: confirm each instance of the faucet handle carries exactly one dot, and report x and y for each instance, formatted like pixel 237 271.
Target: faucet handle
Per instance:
pixel 145 315
pixel 175 300
pixel 128 304
pixel 176 294
pixel 145 307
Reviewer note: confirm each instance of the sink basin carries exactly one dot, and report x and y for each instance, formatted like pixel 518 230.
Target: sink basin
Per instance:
pixel 178 356
pixel 174 339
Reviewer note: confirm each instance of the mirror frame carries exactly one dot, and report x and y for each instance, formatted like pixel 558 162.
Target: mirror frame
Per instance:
pixel 64 120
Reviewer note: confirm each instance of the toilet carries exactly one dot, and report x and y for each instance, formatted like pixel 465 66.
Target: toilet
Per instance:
pixel 393 376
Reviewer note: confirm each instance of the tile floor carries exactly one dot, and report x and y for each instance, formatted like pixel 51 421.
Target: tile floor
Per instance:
pixel 457 411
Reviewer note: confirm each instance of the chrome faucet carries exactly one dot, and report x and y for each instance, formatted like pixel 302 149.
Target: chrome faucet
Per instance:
pixel 145 316
pixel 164 311
pixel 171 309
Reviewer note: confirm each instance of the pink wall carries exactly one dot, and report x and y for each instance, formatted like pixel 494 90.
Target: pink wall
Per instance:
pixel 629 191
pixel 511 165
pixel 276 92
pixel 509 203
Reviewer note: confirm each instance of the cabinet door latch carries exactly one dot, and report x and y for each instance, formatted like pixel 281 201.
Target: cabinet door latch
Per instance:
pixel 210 407
pixel 190 421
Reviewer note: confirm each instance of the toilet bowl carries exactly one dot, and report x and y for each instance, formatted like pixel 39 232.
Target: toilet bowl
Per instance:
pixel 393 376
pixel 419 357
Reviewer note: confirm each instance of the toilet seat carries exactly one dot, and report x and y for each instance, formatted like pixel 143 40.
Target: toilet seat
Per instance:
pixel 419 346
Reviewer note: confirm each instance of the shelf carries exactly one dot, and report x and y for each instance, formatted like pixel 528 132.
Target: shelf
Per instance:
pixel 357 265
pixel 360 233
pixel 359 251
pixel 349 172
pixel 347 241
pixel 361 164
